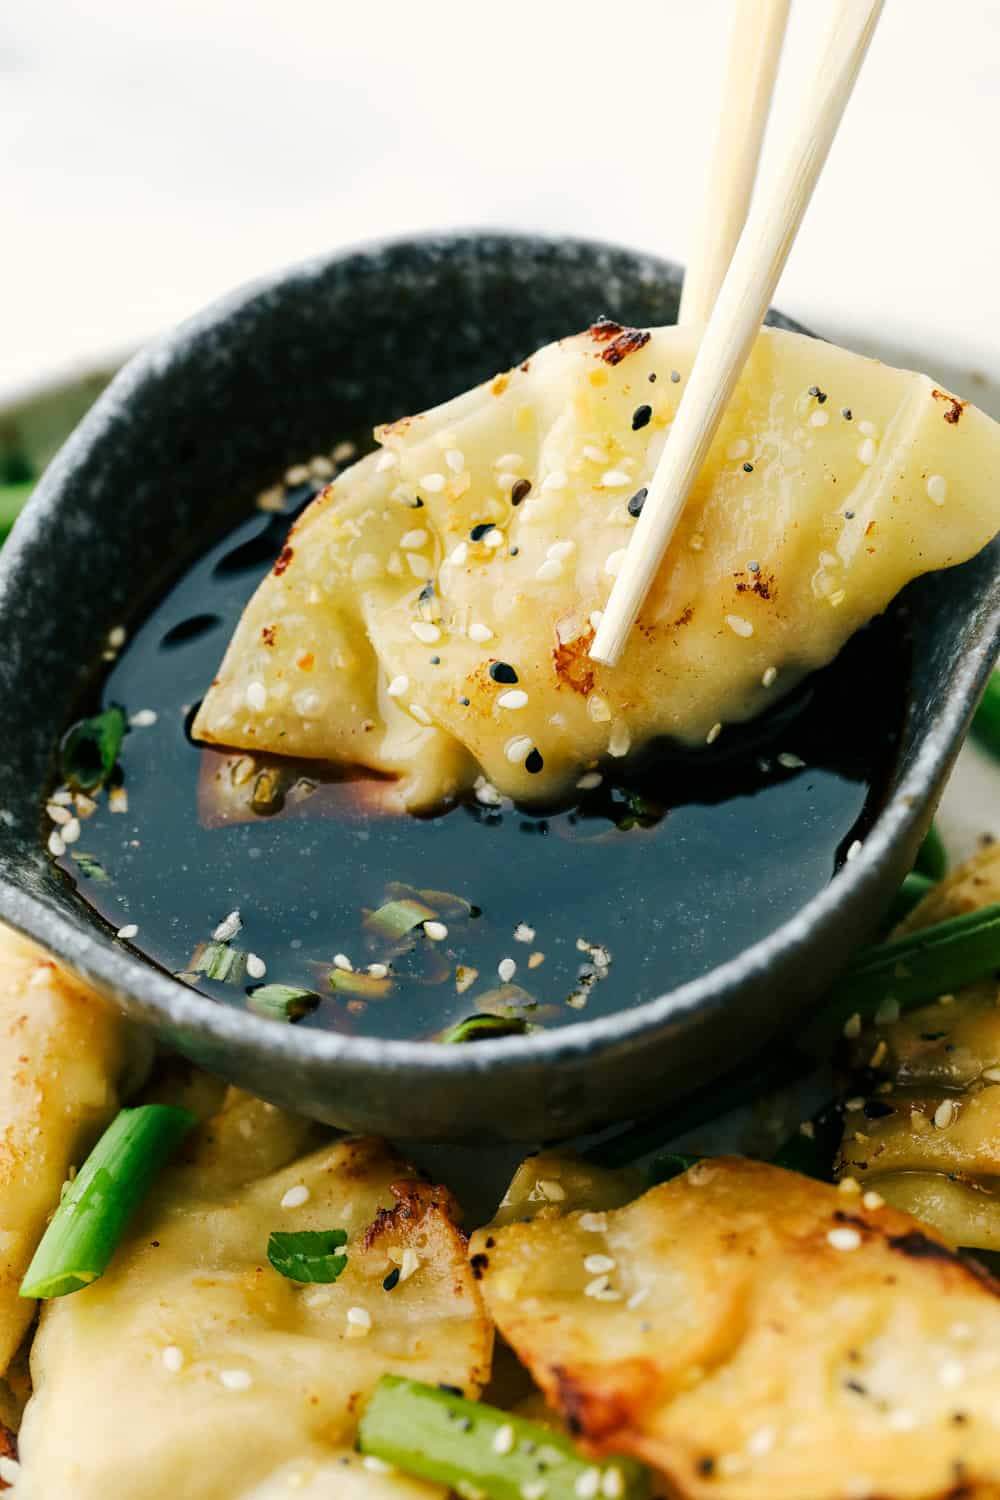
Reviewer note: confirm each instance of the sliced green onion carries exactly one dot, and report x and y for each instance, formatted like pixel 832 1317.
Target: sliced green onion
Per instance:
pixel 910 894
pixel 986 724
pixel 90 867
pixel 282 1002
pixel 450 908
pixel 309 1255
pixel 481 1027
pixel 670 1165
pixel 12 500
pixel 477 1449
pixel 363 986
pixel 932 857
pixel 920 966
pixel 91 1219
pixel 90 748
pixel 396 918
pixel 219 961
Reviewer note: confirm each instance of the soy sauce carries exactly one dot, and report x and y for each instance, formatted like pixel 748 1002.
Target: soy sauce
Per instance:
pixel 650 880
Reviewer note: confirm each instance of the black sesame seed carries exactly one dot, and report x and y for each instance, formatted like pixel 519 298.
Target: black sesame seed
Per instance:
pixel 479 530
pixel 534 762
pixel 675 375
pixel 753 567
pixel 821 397
pixel 637 501
pixel 748 468
pixel 651 377
pixel 641 417
pixel 514 551
pixel 392 1280
pixel 464 702
pixel 848 515
pixel 435 661
pixel 813 390
pixel 846 413
pixel 706 1466
pixel 417 504
pixel 502 671
pixel 520 491
pixel 427 592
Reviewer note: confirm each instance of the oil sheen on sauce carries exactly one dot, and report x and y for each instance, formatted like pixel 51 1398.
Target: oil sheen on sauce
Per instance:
pixel 654 877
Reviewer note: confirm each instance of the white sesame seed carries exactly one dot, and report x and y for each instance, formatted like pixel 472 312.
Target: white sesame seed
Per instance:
pixel 436 931
pixel 523 933
pixel 945 1114
pixel 503 1439
pixel 739 449
pixel 71 831
pixel 613 1484
pixel 425 631
pixel 385 461
pixel 414 540
pixel 588 1485
pixel 696 541
pixel 853 850
pixel 506 969
pixel 518 749
pixel 819 418
pixel 598 708
pixel 595 454
pixel 378 971
pixel 790 762
pixel 398 686
pixel 342 962
pixel 236 1380
pixel 596 1265
pixel 228 927
pixel 637 1298
pixel 143 718
pixel 866 451
pixel 620 742
pixel 515 698
pixel 459 554
pixel 256 967
pixel 409 1263
pixel 296 1196
pixel 593 1223
pixel 554 481
pixel 844 1238
pixel 902 1421
pixel 343 451
pixel 991 1075
pixel 376 1465
pixel 117 637
pixel 873 1201
pixel 62 798
pixel 937 488
pixel 173 1358
pixel 494 539
pixel 613 479
pixel 739 626
pixel 420 713
pixel 868 429
pixel 256 696
pixel 509 461
pixel 769 677
pixel 534 1489
pixel 480 633
pixel 761 1441
pixel 455 459
pixel 613 562
pixel 359 1317
pixel 852 1105
pixel 549 570
pixel 130 930
pixel 713 734
pixel 433 483
pixel 589 780
pixel 488 795
pixel 951 1373
pixel 837 597
pixel 560 550
pixel 596 1287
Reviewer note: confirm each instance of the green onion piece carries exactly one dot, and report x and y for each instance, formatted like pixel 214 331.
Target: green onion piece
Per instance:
pixel 91 1219
pixel 282 1002
pixel 12 499
pixel 481 1028
pixel 396 918
pixel 986 724
pixel 477 1449
pixel 910 894
pixel 91 867
pixel 920 966
pixel 90 748
pixel 450 908
pixel 670 1165
pixel 932 858
pixel 364 986
pixel 309 1255
pixel 219 961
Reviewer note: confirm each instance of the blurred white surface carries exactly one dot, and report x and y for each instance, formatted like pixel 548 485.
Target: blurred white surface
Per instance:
pixel 154 154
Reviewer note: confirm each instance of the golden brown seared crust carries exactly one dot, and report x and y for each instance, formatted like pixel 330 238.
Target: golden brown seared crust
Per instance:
pixel 754 1335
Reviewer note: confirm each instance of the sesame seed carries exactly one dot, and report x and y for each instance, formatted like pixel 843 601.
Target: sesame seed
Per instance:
pixel 130 930
pixel 554 481
pixel 844 1238
pixel 613 562
pixel 493 539
pixel 637 501
pixel 488 795
pixel 386 460
pixel 853 850
pixel 595 454
pixel 523 933
pixel 991 1075
pixel 236 1380
pixel 503 1439
pixel 420 713
pixel 739 626
pixel 433 483
pixel 398 686
pixel 769 677
pixel 455 460
pixel 748 468
pixel 937 488
pixel 536 960
pixel 378 971
pixel 902 1421
pixel 641 417
pixel 852 1027
pixel 518 749
pixel 819 418
pixel 480 633
pixel 761 1441
pixel 561 550
pixel 516 698
pixel 594 1265
pixel 143 718
pixel 228 927
pixel 866 451
pixel 342 962
pixel 344 451
pixel 256 696
pixel 588 1485
pixel 593 1223
pixel 436 931
pixel 506 481
pixel 638 1297
pixel 376 1465
pixel 849 1184
pixel 534 1489
pixel 596 1287
pixel 790 762
pixel 868 429
pixel 296 1196
pixel 613 1484
pixel 173 1358
pixel 359 1321
pixel 951 1373
pixel 945 1114
pixel 117 637
pixel 873 1201
pixel 425 631
pixel 589 781
pixel 459 554
pixel 71 831
pixel 58 813
pixel 675 376
pixel 509 461
pixel 520 490
pixel 506 969
pixel 739 449
pixel 409 1263
pixel 256 967
pixel 597 708
pixel 713 734
pixel 549 570
pixel 620 742
pixel 613 479
pixel 413 540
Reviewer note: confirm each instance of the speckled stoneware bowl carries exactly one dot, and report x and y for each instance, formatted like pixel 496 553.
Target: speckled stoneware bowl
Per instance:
pixel 185 435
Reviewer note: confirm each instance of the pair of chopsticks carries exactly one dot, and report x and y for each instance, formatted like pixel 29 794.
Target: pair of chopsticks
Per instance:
pixel 738 257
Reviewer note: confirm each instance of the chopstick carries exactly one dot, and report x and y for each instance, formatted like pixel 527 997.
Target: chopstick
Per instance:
pixel 739 311
pixel 755 40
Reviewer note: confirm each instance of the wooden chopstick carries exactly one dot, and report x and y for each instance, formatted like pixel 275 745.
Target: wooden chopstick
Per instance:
pixel 739 310
pixel 755 41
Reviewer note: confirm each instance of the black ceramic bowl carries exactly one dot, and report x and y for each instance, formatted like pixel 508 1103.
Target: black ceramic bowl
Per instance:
pixel 186 433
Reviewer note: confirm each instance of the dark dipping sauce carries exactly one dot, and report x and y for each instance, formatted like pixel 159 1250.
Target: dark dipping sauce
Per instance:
pixel 666 869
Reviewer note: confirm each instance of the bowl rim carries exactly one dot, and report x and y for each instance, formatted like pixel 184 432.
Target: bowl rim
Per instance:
pixel 96 953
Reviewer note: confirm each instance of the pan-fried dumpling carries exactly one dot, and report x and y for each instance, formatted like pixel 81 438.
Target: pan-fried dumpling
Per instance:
pixel 432 613
pixel 193 1368
pixel 928 1139
pixel 755 1335
pixel 64 1053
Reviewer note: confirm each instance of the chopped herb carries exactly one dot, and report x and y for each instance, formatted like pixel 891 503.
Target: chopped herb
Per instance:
pixel 363 986
pixel 396 918
pixel 90 748
pixel 670 1165
pixel 90 867
pixel 282 1002
pixel 220 962
pixel 480 1028
pixel 310 1255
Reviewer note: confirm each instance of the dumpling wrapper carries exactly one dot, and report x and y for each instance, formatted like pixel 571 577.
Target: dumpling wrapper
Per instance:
pixel 109 1418
pixel 64 1056
pixel 930 1142
pixel 834 513
pixel 758 1336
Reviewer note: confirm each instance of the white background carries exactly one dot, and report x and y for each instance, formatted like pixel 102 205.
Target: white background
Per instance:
pixel 155 152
